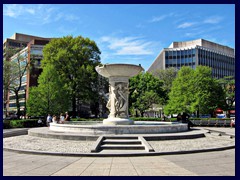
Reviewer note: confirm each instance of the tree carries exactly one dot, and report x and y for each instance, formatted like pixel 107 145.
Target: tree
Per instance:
pixel 145 90
pixel 15 68
pixel 74 59
pixel 167 76
pixel 180 97
pixel 208 94
pixel 50 96
pixel 228 85
pixel 194 91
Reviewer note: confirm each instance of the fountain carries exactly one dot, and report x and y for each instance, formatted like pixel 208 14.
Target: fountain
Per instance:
pixel 118 121
pixel 118 75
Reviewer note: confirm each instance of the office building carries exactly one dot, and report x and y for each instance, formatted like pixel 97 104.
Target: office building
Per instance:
pixel 197 52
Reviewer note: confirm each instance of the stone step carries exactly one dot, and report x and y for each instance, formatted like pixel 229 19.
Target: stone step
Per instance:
pixel 117 151
pixel 122 147
pixel 120 137
pixel 121 141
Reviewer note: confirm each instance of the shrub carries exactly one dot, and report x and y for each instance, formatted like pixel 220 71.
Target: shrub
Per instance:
pixel 25 123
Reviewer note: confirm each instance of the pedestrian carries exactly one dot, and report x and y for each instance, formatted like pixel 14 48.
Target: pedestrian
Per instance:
pixel 49 119
pixel 40 122
pixel 179 117
pixel 163 117
pixel 54 119
pixel 61 121
pixel 232 122
pixel 67 117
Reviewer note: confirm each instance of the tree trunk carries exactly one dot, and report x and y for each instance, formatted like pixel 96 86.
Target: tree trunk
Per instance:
pixel 18 105
pixel 73 105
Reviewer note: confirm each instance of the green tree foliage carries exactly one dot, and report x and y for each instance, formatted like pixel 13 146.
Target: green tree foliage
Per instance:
pixel 194 91
pixel 145 90
pixel 50 96
pixel 228 85
pixel 167 76
pixel 180 97
pixel 74 59
pixel 208 94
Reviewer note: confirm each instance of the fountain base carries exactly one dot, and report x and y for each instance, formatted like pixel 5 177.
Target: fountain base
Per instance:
pixel 117 121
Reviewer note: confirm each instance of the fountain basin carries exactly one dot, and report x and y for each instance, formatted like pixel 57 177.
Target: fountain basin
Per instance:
pixel 139 127
pixel 116 70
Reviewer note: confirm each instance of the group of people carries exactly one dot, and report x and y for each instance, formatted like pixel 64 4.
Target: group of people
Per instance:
pixel 57 119
pixel 184 118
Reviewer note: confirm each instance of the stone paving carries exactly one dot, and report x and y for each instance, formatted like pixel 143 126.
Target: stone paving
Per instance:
pixel 220 163
pixel 31 143
pixel 217 163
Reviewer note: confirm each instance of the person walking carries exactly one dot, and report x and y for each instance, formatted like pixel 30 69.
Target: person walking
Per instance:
pixel 49 119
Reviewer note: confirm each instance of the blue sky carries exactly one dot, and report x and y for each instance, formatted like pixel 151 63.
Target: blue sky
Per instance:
pixel 127 33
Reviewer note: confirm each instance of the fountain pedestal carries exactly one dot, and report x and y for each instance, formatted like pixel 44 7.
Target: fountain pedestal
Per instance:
pixel 118 75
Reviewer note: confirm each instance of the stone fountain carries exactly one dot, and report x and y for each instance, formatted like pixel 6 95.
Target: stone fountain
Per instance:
pixel 118 121
pixel 118 75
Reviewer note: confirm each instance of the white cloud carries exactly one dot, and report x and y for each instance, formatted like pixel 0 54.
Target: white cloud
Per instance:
pixel 128 45
pixel 213 20
pixel 12 10
pixel 162 17
pixel 159 18
pixel 185 25
pixel 31 10
pixel 42 13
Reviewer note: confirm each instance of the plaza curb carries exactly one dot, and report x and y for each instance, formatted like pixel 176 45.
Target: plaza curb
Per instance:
pixel 118 154
pixel 17 132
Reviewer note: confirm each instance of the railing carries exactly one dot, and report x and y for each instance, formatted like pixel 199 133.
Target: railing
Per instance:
pixel 211 122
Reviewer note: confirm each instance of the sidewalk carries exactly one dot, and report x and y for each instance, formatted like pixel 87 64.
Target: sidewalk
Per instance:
pixel 221 163
pixel 217 163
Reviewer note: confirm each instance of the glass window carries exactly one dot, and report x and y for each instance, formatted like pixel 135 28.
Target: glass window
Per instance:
pixel 167 61
pixel 36 52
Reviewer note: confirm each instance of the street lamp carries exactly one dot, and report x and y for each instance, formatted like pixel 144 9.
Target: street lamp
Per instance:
pixel 228 101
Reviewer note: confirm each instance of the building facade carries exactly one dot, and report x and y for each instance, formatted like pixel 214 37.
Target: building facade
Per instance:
pixel 31 53
pixel 197 52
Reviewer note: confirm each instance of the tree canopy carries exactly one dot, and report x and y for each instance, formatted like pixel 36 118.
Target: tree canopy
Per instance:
pixel 145 90
pixel 51 95
pixel 74 60
pixel 167 76
pixel 194 90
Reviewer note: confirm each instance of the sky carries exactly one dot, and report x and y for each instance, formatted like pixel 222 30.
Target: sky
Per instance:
pixel 127 33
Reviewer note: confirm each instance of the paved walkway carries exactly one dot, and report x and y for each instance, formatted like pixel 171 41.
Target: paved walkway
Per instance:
pixel 218 163
pixel 221 163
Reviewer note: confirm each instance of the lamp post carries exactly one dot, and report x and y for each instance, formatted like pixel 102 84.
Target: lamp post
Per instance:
pixel 228 101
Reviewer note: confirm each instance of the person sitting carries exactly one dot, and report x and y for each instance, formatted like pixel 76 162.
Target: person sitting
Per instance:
pixel 67 117
pixel 54 119
pixel 232 124
pixel 40 122
pixel 61 121
pixel 179 117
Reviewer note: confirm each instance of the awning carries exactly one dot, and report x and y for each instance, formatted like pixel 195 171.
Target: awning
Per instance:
pixel 232 111
pixel 218 110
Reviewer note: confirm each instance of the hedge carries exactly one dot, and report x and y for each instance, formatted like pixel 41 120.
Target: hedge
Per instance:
pixel 24 123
